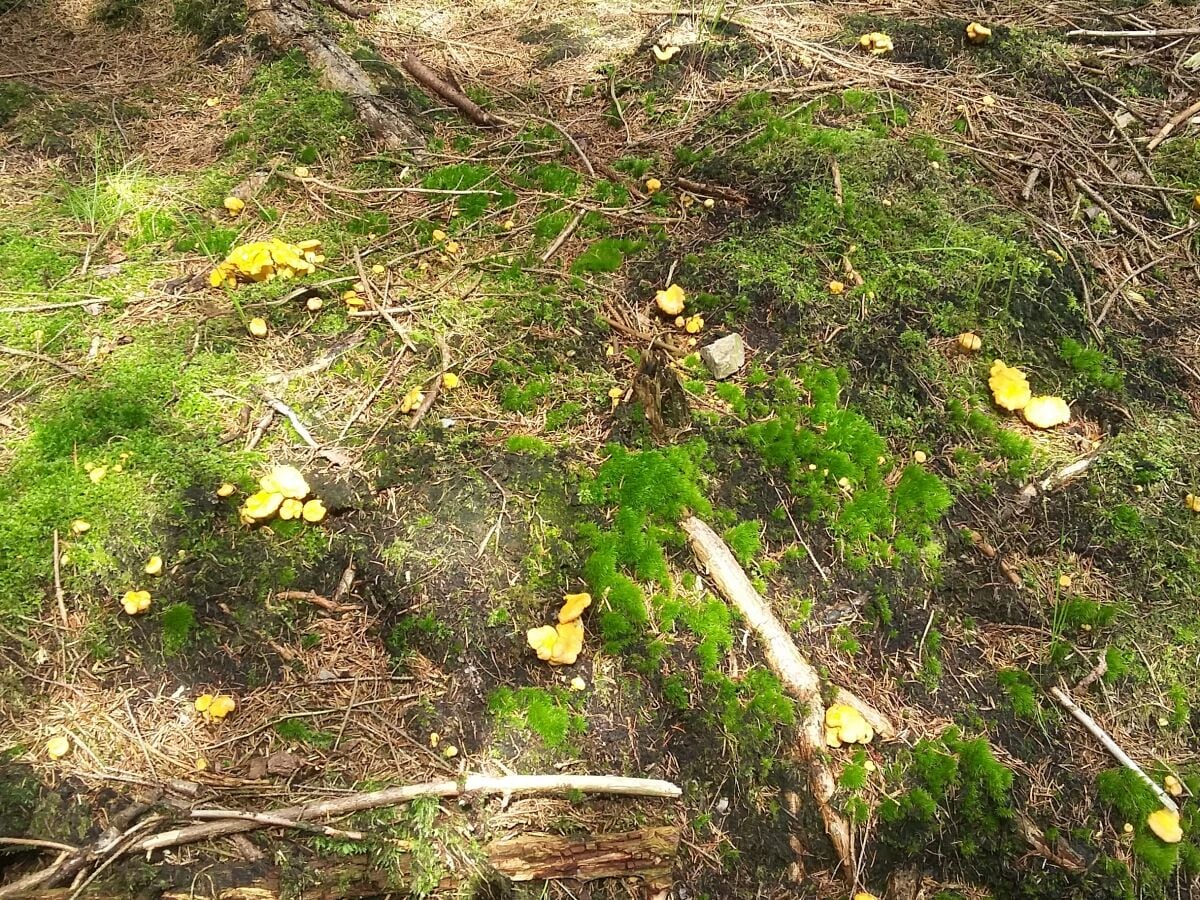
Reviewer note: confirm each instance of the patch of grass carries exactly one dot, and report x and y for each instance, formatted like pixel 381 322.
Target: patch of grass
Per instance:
pixel 31 261
pixel 298 731
pixel 209 20
pixel 528 445
pixel 547 713
pixel 178 620
pixel 287 111
pixel 119 13
pixel 605 255
pixel 745 541
pixel 15 96
pixel 1021 692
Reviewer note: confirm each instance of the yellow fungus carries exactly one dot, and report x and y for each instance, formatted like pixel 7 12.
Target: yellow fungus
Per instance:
pixel 58 746
pixel 709 202
pixel 653 185
pixel 438 235
pixel 314 303
pixel 226 489
pixel 212 101
pixel 117 469
pixel 1046 412
pixel 302 172
pixel 285 480
pixel 215 706
pixel 615 395
pixel 848 726
pixel 978 34
pixel 262 505
pixel 1127 828
pixel 154 565
pixel 876 43
pixel 919 456
pixel 96 475
pixel 450 751
pixel 664 54
pixel 1064 581
pixel 863 895
pixel 508 225
pixel 969 342
pixel 313 512
pixel 79 526
pixel 573 606
pixel 450 381
pixel 234 205
pixel 542 640
pixel 290 509
pixel 135 602
pixel 836 287
pixel 1165 823
pixel 693 325
pixel 257 327
pixel 265 260
pixel 670 301
pixel 412 400
pixel 1173 786
pixel 578 684
pixel 1192 502
pixel 1010 387
pixel 434 739
pixel 569 644
pixel 452 247
pixel 377 269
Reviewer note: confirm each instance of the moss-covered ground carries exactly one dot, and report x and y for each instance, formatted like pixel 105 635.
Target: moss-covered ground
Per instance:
pixel 850 217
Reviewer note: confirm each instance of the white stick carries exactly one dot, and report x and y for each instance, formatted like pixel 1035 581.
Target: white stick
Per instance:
pixel 472 784
pixel 1111 746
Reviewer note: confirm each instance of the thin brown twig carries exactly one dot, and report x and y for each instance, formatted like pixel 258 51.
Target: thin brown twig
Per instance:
pixel 58 588
pixel 431 395
pixel 41 357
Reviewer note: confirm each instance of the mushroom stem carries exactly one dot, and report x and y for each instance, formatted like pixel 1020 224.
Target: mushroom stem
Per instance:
pixel 1111 746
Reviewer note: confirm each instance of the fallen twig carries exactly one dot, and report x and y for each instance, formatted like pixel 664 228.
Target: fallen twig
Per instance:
pixel 798 676
pixel 58 588
pixel 471 784
pixel 1175 121
pixel 562 237
pixel 283 409
pixel 432 394
pixel 312 597
pixel 1134 35
pixel 41 357
pixel 429 80
pixel 276 822
pixel 1111 746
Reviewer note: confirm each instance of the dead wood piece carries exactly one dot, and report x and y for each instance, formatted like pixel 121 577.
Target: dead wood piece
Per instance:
pixel 704 189
pixel 663 399
pixel 472 784
pixel 353 10
pixel 290 23
pixel 1175 121
pixel 42 358
pixel 1059 852
pixel 314 598
pixel 648 853
pixel 430 80
pixel 1134 35
pixel 798 676
pixel 284 410
pixel 434 388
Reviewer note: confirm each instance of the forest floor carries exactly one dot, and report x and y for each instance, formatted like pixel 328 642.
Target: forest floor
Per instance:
pixel 849 215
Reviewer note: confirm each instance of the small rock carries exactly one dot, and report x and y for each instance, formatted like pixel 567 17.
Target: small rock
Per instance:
pixel 725 356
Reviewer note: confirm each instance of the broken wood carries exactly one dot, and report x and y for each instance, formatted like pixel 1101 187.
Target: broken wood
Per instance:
pixel 290 23
pixel 647 853
pixel 657 388
pixel 433 83
pixel 1174 122
pixel 471 784
pixel 798 676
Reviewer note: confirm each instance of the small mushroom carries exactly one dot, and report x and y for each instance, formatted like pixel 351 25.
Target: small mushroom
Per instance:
pixel 285 480
pixel 1173 785
pixel 671 301
pixel 1192 502
pixel 969 342
pixel 377 269
pixel 215 706
pixel 412 400
pixel 135 602
pixel 154 565
pixel 234 205
pixel 693 324
pixel 1165 823
pixel 449 381
pixel 920 457
pixel 664 54
pixel 509 225
pixel 978 34
pixel 79 526
pixel 58 746
pixel 1046 412
pixel 836 287
pixel 438 235
pixel 226 489
pixel 1010 387
pixel 257 327
pixel 578 684
pixel 573 606
pixel 313 512
pixel 290 509
pixel 302 172
pixel 848 724
pixel 314 303
pixel 653 185
pixel 569 644
pixel 876 43
pixel 262 505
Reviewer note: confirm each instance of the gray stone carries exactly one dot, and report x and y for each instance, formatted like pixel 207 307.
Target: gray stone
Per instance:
pixel 725 356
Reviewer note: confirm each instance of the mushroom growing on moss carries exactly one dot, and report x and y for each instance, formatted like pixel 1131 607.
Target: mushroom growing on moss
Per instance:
pixel 1010 387
pixel 573 606
pixel 262 505
pixel 969 342
pixel 1165 824
pixel 670 301
pixel 1046 412
pixel 135 602
pixel 978 34
pixel 876 43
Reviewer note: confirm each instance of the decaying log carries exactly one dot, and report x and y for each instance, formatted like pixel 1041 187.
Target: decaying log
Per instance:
pixel 798 676
pixel 663 399
pixel 647 853
pixel 290 23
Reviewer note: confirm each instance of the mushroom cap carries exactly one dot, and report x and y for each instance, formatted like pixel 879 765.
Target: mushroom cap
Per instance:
pixel 671 300
pixel 154 565
pixel 570 642
pixel 573 606
pixel 58 746
pixel 203 702
pixel 290 509
pixel 314 511
pixel 1046 412
pixel 221 706
pixel 287 480
pixel 1165 823
pixel 542 640
pixel 262 505
pixel 1010 387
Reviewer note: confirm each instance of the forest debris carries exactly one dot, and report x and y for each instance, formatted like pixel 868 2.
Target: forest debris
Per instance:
pixel 429 80
pixel 1175 121
pixel 1112 747
pixel 525 856
pixel 798 676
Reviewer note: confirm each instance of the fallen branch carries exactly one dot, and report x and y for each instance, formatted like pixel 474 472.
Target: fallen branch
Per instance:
pixel 284 410
pixel 1111 746
pixel 270 821
pixel 432 394
pixel 41 357
pixel 1175 121
pixel 353 10
pixel 290 23
pixel 58 588
pixel 1135 35
pixel 647 853
pixel 315 599
pixel 557 243
pixel 798 676
pixel 429 80
pixel 472 784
